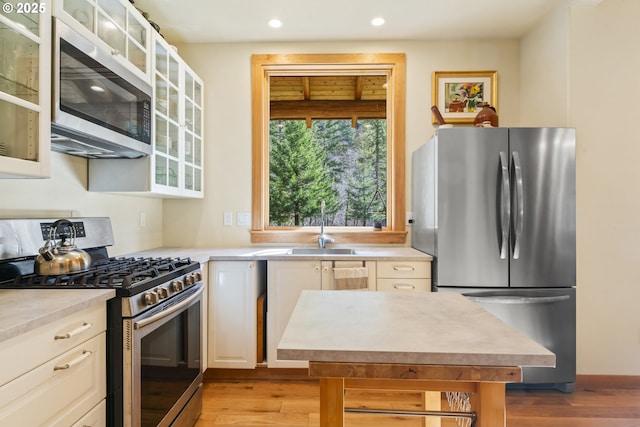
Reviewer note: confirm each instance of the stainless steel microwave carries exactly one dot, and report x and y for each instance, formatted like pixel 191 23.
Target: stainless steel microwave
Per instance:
pixel 100 108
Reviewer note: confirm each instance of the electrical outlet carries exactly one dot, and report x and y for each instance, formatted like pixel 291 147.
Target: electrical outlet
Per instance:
pixel 227 219
pixel 143 219
pixel 409 218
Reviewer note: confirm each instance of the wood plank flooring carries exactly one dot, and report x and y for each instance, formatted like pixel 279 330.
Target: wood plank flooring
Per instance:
pixel 251 403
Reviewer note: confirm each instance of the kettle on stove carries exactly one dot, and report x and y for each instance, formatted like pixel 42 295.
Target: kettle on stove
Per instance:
pixel 62 257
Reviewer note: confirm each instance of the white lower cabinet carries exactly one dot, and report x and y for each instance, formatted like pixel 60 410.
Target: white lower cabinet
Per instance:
pixel 404 276
pixel 56 374
pixel 97 417
pixel 236 285
pixel 285 282
pixel 234 290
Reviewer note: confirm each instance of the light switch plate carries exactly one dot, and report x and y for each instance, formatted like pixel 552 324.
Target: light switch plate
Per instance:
pixel 244 218
pixel 227 218
pixel 409 218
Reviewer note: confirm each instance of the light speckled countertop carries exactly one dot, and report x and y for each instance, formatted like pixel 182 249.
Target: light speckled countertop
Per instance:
pixel 26 309
pixel 396 327
pixel 390 253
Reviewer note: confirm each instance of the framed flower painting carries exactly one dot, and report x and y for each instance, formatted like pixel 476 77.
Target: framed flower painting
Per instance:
pixel 459 94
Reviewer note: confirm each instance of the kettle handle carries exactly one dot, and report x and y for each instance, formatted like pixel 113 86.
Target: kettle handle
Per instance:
pixel 58 223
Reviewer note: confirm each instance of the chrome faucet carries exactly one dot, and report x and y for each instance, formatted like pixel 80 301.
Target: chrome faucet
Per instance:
pixel 323 239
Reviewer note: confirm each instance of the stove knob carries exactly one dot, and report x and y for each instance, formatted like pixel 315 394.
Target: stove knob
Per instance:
pixel 163 292
pixel 150 298
pixel 198 276
pixel 189 279
pixel 177 285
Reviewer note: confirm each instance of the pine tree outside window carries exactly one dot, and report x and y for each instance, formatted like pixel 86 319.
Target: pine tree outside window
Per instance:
pixel 332 161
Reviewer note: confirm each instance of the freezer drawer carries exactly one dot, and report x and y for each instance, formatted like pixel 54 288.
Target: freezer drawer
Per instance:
pixel 546 315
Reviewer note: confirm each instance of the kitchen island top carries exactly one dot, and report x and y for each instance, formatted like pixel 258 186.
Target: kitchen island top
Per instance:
pixel 429 342
pixel 395 327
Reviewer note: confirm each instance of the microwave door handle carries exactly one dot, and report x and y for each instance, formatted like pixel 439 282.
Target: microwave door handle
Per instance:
pixel 505 205
pixel 519 196
pixel 169 311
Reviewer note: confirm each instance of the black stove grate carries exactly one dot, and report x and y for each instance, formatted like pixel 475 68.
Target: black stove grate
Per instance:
pixel 117 272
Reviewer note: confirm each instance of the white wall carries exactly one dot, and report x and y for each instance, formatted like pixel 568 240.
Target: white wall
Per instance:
pixel 603 71
pixel 544 64
pixel 575 71
pixel 65 194
pixel 225 69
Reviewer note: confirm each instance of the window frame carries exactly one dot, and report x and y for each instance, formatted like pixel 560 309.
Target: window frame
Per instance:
pixel 265 65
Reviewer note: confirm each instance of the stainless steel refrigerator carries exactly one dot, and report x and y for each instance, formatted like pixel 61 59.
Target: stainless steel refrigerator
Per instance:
pixel 496 209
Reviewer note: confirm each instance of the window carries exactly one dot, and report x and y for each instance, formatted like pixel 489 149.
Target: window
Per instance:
pixel 391 197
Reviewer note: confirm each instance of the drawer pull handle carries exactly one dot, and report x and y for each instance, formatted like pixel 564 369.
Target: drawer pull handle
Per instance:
pixel 85 327
pixel 403 268
pixel 85 354
pixel 403 286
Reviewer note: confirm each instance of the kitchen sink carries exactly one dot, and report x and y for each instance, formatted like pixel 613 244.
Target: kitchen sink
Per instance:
pixel 321 251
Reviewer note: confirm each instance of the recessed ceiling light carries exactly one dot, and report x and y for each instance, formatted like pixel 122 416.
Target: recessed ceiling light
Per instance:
pixel 275 23
pixel 97 89
pixel 376 22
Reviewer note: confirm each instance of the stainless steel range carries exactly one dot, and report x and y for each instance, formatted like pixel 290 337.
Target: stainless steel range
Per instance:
pixel 154 350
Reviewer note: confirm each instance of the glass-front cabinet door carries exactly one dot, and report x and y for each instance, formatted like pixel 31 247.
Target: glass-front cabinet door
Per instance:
pixel 25 86
pixel 117 23
pixel 192 132
pixel 178 150
pixel 167 119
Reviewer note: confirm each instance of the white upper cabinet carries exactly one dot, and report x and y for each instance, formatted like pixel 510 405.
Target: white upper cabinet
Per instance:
pixel 114 24
pixel 175 168
pixel 25 89
pixel 178 149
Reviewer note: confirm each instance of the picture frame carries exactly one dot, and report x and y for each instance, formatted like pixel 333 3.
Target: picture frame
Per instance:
pixel 458 94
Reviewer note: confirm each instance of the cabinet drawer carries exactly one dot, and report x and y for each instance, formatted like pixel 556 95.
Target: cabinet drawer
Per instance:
pixel 411 285
pixel 404 269
pixel 60 391
pixel 97 417
pixel 39 345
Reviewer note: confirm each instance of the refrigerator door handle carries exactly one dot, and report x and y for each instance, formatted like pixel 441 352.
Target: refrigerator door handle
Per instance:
pixel 517 300
pixel 519 196
pixel 505 205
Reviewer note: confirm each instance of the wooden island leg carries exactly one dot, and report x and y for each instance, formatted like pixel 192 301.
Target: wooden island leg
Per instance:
pixel 489 404
pixel 331 402
pixel 432 402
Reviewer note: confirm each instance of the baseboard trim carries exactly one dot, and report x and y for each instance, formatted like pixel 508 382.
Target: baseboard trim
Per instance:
pixel 608 381
pixel 259 374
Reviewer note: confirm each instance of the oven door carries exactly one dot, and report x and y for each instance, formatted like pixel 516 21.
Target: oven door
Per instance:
pixel 162 361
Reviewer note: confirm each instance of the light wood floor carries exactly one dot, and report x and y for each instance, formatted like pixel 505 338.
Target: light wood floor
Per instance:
pixel 250 403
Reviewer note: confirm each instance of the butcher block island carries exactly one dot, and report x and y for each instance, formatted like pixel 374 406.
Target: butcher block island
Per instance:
pixel 432 342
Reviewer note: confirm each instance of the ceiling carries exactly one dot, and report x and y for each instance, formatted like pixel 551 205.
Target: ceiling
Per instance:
pixel 193 21
pixel 327 97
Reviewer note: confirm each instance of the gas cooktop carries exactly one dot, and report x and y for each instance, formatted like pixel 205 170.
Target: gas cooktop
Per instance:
pixel 127 275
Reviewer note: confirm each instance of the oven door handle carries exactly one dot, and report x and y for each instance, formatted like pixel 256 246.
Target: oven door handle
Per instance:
pixel 169 311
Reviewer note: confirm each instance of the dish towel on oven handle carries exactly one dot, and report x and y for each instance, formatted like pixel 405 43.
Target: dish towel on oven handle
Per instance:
pixel 351 278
